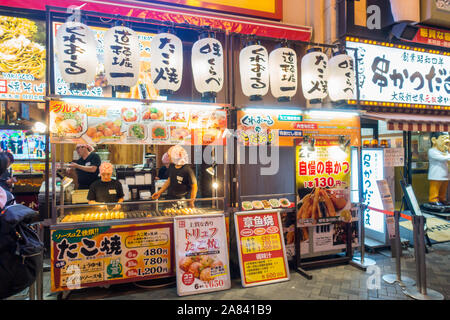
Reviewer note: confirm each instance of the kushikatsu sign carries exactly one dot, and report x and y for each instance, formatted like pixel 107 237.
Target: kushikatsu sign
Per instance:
pixel 408 78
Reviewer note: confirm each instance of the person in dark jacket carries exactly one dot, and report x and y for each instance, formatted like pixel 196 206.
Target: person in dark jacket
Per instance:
pixel 6 179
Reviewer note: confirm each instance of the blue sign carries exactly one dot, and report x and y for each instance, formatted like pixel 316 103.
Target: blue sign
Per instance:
pixel 290 133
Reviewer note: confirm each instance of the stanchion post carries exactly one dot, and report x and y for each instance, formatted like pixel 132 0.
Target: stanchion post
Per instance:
pixel 420 291
pixel 417 252
pixel 391 278
pixel 421 242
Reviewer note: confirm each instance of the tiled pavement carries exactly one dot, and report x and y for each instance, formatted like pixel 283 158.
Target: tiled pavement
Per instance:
pixel 341 282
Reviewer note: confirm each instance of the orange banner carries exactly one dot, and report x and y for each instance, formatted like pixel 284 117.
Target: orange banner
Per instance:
pixel 260 126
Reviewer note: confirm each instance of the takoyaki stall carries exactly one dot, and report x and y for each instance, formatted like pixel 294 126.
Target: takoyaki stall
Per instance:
pixel 133 132
pixel 121 229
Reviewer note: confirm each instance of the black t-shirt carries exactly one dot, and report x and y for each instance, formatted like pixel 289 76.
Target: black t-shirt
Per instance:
pixel 181 181
pixel 106 192
pixel 163 173
pixel 86 178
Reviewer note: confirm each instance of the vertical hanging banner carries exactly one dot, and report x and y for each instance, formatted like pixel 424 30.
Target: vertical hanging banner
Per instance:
pixel 122 58
pixel 166 63
pixel 254 71
pixel 76 52
pixel 207 65
pixel 201 252
pixel 283 73
pixel 261 248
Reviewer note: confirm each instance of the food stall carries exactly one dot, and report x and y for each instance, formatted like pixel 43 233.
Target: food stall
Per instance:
pixel 103 244
pixel 299 141
pixel 141 224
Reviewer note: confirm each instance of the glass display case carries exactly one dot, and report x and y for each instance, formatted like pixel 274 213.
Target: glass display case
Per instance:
pixel 135 211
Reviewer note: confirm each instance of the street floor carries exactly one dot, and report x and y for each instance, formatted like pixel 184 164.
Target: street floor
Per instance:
pixel 339 282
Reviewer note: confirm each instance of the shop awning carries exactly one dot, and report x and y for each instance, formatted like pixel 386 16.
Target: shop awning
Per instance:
pixel 143 10
pixel 412 122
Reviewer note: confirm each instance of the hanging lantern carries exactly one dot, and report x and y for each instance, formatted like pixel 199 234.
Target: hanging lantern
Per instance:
pixel 315 75
pixel 121 58
pixel 341 81
pixel 283 73
pixel 166 63
pixel 254 69
pixel 207 67
pixel 76 54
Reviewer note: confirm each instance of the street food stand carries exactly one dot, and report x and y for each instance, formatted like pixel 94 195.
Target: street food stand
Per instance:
pixel 136 239
pixel 98 245
pixel 291 132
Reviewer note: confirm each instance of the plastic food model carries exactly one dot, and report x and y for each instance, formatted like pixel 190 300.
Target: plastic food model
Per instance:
pixel 258 205
pixel 247 205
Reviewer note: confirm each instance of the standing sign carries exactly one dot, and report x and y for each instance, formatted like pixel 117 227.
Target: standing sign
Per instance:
pixel 97 255
pixel 262 254
pixel 388 205
pixel 202 263
pixel 373 170
pixel 323 184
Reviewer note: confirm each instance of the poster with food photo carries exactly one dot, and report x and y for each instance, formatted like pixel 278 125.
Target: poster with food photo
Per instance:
pixel 323 181
pixel 179 134
pixel 22 59
pixel 106 127
pixel 201 254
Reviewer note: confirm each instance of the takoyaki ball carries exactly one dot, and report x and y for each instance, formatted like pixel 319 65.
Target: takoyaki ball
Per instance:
pixel 217 263
pixel 205 275
pixel 185 263
pixel 206 261
pixel 195 269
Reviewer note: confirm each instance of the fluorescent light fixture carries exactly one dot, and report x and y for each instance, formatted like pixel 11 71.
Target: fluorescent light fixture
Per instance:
pixel 331 114
pixel 272 110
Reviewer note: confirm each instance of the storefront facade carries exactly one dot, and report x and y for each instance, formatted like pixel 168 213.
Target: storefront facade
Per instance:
pixel 274 141
pixel 397 49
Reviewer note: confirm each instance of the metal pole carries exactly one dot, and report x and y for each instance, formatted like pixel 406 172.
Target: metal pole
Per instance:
pixel 421 243
pixel 392 278
pixel 420 291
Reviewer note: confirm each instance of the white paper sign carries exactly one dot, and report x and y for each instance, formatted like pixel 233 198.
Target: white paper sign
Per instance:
pixel 394 157
pixel 388 205
pixel 395 75
pixel 201 252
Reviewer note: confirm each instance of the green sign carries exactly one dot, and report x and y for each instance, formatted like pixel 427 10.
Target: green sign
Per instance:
pixel 75 235
pixel 290 117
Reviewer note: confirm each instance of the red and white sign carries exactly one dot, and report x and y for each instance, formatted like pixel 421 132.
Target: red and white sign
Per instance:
pixel 202 263
pixel 262 254
pixel 432 36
